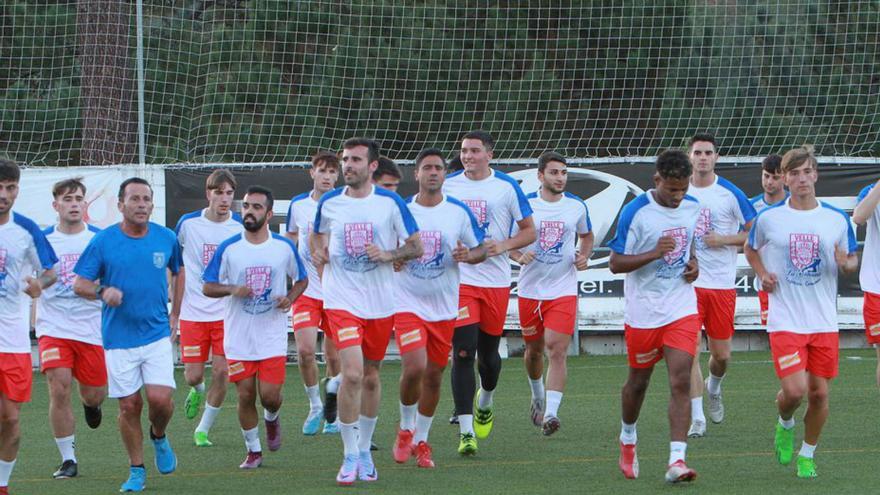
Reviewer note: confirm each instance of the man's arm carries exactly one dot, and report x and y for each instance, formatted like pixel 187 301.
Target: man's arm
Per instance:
pixel 293 236
pixel 585 250
pixel 768 280
pixel 714 240
pixel 35 286
pixel 411 249
pixel 525 236
pixel 471 256
pixel 867 206
pixel 625 263
pixel 214 289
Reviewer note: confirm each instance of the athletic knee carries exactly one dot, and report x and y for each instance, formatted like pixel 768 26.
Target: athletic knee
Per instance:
pixel 557 352
pixel 272 402
pixel 131 406
pixel 352 377
pixel 818 396
pixel 194 376
pixel 793 392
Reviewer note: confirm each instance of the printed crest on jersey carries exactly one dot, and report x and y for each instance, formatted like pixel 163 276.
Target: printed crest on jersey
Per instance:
pixel 804 261
pixel 550 237
pixel 704 226
pixel 66 277
pixel 356 236
pixel 159 259
pixel 259 280
pixel 480 209
pixel 208 251
pixel 673 263
pixel 430 265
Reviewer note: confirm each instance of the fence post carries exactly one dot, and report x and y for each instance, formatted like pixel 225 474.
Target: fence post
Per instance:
pixel 142 142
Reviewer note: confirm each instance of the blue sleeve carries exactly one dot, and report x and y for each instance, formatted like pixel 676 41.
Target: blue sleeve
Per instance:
pixel 212 271
pixel 864 193
pixel 478 232
pixel 44 250
pixel 90 265
pixel 289 218
pixel 176 260
pixel 586 210
pixel 525 209
pixel 853 245
pixel 618 244
pixel 409 223
pixel 746 208
pixel 753 233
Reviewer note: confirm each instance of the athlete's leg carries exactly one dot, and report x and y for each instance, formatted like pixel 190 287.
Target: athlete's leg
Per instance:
pixel 412 375
pixel 533 357
pixel 557 349
pixel 219 381
pixel 247 402
pixel 130 428
pixel 719 350
pixel 306 339
pixel 678 364
pixel 331 357
pixel 10 436
pixel 633 393
pixel 817 408
pixel 464 350
pixel 270 396
pixel 488 360
pixel 60 381
pixel 161 407
pixel 791 393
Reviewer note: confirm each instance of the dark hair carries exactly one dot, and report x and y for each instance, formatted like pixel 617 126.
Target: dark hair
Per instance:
pixel 219 177
pixel 265 191
pixel 65 186
pixel 132 180
pixel 455 164
pixel 9 170
pixel 484 137
pixel 430 152
pixel 386 167
pixel 703 136
pixel 328 158
pixel 371 145
pixel 674 164
pixel 772 164
pixel 550 156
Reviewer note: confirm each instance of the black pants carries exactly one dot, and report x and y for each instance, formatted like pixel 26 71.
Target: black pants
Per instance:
pixel 469 344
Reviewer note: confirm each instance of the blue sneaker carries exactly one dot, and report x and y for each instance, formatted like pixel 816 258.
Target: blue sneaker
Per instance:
pixel 312 425
pixel 366 468
pixel 331 428
pixel 166 461
pixel 137 480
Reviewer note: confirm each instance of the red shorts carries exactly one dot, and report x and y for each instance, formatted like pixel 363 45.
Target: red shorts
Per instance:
pixel 414 333
pixel 793 352
pixel 16 376
pixel 871 312
pixel 764 301
pixel 644 346
pixel 371 335
pixel 85 360
pixel 557 315
pixel 269 370
pixel 486 306
pixel 308 312
pixel 198 339
pixel 716 308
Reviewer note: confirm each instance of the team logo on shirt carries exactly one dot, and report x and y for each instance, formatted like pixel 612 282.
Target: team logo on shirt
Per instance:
pixel 480 209
pixel 430 264
pixel 66 277
pixel 159 259
pixel 550 236
pixel 804 262
pixel 673 263
pixel 356 237
pixel 259 280
pixel 704 226
pixel 208 251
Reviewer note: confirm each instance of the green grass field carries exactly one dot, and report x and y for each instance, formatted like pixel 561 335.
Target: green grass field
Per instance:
pixel 735 457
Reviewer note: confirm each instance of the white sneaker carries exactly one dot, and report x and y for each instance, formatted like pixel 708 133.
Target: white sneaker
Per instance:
pixel 716 407
pixel 536 412
pixel 678 472
pixel 698 429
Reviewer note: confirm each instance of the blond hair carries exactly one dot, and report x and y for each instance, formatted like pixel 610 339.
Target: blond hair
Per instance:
pixel 798 157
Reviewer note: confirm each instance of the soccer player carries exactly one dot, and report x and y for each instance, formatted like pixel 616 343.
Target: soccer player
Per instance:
pixel 201 318
pixel 498 203
pixel 797 248
pixel 548 285
pixel 867 212
pixel 387 174
pixel 253 269
pixel 353 245
pixel 773 184
pixel 24 251
pixel 308 309
pixel 725 218
pixel 69 328
pixel 125 266
pixel 654 247
pixel 426 300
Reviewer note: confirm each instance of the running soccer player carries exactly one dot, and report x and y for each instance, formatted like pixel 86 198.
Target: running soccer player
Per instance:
pixel 131 260
pixel 201 318
pixel 548 285
pixel 498 203
pixel 253 269
pixel 654 247
pixel 725 218
pixel 867 212
pixel 797 248
pixel 387 174
pixel 24 251
pixel 353 245
pixel 69 328
pixel 426 300
pixel 773 184
pixel 308 309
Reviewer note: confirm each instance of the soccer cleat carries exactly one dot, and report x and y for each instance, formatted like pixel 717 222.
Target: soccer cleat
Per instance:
pixel 252 461
pixel 373 446
pixel 273 434
pixel 93 416
pixel 698 429
pixel 453 419
pixel 403 446
pixel 137 480
pixel 329 404
pixel 628 461
pixel 483 418
pixel 550 426
pixel 192 403
pixel 467 444
pixel 536 411
pixel 716 406
pixel 784 442
pixel 423 453
pixel 348 471
pixel 806 467
pixel 331 428
pixel 679 472
pixel 166 461
pixel 312 424
pixel 366 469
pixel 67 469
pixel 200 439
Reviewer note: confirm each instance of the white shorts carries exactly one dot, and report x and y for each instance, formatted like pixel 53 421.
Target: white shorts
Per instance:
pixel 128 370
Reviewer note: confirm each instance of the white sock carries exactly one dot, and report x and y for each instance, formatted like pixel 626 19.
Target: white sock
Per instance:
pixel 677 450
pixel 537 387
pixel 787 423
pixel 408 416
pixel 66 448
pixel 349 434
pixel 333 384
pixel 423 427
pixel 366 427
pixel 200 388
pixel 697 409
pixel 6 471
pixel 628 435
pixel 314 394
pixel 269 415
pixel 554 398
pixel 807 450
pixel 485 401
pixel 208 418
pixel 466 423
pixel 252 439
pixel 714 384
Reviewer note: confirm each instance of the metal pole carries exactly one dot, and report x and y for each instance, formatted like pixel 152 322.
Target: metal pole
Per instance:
pixel 142 142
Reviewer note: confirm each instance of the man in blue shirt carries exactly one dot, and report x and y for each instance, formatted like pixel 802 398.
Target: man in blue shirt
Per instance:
pixel 125 266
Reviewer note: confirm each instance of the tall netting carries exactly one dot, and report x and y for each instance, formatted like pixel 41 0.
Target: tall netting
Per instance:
pixel 275 80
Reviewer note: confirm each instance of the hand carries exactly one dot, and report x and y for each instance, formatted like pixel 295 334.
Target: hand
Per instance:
pixel 174 322
pixel 581 262
pixel 768 282
pixel 398 265
pixel 461 253
pixel 111 296
pixel 240 291
pixel 33 289
pixel 840 256
pixel 691 270
pixel 495 248
pixel 665 245
pixel 526 257
pixel 377 255
pixel 283 303
pixel 713 239
pixel 320 257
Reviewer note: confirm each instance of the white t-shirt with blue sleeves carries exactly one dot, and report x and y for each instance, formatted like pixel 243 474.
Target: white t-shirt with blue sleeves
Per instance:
pixel 498 203
pixel 657 294
pixel 351 282
pixel 254 328
pixel 24 251
pixel 798 246
pixel 301 220
pixel 869 273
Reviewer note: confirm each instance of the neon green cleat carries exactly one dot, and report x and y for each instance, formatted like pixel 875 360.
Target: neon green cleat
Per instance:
pixel 467 445
pixel 200 438
pixel 483 418
pixel 806 467
pixel 193 403
pixel 784 444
